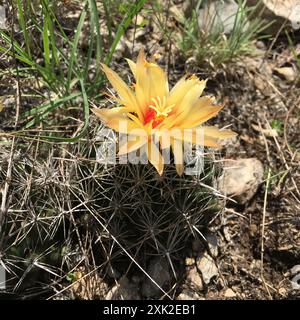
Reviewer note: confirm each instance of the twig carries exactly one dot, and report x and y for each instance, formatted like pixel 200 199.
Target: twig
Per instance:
pixel 263 234
pixel 264 215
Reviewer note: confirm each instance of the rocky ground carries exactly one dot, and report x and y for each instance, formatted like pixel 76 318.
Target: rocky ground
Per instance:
pixel 253 249
pixel 254 252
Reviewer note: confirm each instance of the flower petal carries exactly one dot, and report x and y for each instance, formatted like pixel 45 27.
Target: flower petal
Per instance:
pixel 155 157
pixel 196 136
pixel 151 82
pixel 190 98
pixel 125 93
pixel 202 111
pixel 132 66
pixel 142 86
pixel 159 86
pixel 178 155
pixel 115 119
pixel 106 113
pixel 132 145
pixel 164 139
pixel 182 88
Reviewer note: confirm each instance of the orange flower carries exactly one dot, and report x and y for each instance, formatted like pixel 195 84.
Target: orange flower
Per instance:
pixel 152 112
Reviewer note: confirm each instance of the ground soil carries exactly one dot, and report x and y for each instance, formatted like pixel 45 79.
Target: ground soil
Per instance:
pixel 254 95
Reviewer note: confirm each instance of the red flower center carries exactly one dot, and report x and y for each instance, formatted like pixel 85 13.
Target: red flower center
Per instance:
pixel 150 115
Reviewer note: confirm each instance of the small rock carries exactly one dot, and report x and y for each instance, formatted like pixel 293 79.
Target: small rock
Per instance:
pixel 207 267
pixel 229 293
pixel 212 241
pixel 218 16
pixel 189 295
pixel 288 73
pixel 194 279
pixel 295 269
pixel 124 290
pixel 295 282
pixel 140 34
pixel 278 12
pixel 241 179
pixel 260 45
pixel 159 271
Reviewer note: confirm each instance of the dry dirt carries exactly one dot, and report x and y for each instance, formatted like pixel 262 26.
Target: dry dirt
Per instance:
pixel 255 94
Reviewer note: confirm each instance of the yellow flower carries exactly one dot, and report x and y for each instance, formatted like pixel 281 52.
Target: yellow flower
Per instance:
pixel 150 112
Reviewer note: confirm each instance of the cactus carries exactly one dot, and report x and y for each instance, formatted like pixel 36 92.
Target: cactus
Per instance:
pixel 64 213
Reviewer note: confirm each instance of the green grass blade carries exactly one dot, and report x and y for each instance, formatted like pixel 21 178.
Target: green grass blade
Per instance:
pixel 46 44
pixel 44 110
pixel 73 56
pixel 23 26
pixel 86 113
pixel 95 19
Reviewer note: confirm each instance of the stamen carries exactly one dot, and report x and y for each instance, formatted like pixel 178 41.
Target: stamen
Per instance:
pixel 155 102
pixel 154 108
pixel 159 103
pixel 157 111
